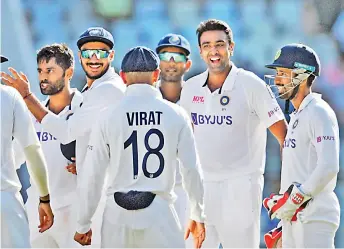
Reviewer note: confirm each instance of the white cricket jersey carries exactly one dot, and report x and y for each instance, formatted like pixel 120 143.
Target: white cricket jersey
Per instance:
pixel 139 142
pixel 105 92
pixel 178 175
pixel 311 157
pixel 62 184
pixel 230 124
pixel 15 123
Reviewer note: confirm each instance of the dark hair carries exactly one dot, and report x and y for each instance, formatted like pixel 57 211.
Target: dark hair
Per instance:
pixel 213 24
pixel 61 52
pixel 310 80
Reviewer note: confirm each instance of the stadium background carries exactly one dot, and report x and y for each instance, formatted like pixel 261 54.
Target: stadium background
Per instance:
pixel 260 28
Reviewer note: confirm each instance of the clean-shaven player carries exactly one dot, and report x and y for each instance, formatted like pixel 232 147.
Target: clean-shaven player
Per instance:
pixel 231 110
pixel 139 143
pixel 310 159
pixel 14 225
pixel 174 51
pixel 104 88
pixel 55 66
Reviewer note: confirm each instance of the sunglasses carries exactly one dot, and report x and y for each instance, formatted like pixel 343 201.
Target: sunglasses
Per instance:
pixel 100 54
pixel 177 57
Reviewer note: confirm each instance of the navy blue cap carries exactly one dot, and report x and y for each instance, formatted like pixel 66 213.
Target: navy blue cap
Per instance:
pixel 3 59
pixel 297 56
pixel 96 34
pixel 173 40
pixel 140 59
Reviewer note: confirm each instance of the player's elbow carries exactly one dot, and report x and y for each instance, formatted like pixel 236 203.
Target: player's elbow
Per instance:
pixel 330 170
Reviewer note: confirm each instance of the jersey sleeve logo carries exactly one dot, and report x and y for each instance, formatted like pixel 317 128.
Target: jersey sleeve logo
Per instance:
pixel 272 112
pixel 324 138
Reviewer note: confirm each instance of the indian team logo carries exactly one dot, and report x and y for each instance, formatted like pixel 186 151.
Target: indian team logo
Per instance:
pixel 174 39
pixel 224 100
pixel 95 32
pixel 278 54
pixel 295 123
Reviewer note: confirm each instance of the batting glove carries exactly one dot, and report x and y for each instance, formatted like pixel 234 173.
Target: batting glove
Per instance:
pixel 272 237
pixel 287 207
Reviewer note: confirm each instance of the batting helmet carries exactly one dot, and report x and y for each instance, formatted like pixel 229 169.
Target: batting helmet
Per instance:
pixel 302 60
pixel 295 56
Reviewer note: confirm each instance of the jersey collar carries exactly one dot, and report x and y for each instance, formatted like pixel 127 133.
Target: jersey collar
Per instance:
pixel 143 90
pixel 307 100
pixel 110 74
pixel 76 100
pixel 229 82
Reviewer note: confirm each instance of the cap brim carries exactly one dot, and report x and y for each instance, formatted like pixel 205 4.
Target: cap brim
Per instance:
pixel 171 45
pixel 84 40
pixel 3 59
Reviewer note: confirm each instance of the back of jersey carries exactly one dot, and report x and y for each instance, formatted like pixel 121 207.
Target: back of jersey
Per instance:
pixel 147 130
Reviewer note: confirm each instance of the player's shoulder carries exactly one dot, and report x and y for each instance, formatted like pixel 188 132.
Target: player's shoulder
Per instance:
pixel 249 78
pixel 112 83
pixel 175 110
pixel 10 96
pixel 321 110
pixel 9 92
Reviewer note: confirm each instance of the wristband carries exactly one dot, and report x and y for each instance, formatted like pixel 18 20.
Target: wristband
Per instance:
pixel 42 201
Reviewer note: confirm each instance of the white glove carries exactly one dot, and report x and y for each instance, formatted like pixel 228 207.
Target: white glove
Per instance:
pixel 287 206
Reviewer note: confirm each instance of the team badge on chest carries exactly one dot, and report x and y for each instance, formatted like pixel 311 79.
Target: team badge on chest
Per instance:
pixel 224 100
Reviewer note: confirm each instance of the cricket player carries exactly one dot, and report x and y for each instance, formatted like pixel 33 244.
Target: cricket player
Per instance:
pixel 18 125
pixel 139 143
pixel 308 207
pixel 55 66
pixel 174 51
pixel 231 110
pixel 104 88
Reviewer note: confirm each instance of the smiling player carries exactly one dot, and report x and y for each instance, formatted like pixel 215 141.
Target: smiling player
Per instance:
pixel 231 110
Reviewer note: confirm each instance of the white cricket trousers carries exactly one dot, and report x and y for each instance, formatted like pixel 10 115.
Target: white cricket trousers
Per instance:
pixel 61 234
pixel 156 226
pixel 15 231
pixel 313 234
pixel 232 208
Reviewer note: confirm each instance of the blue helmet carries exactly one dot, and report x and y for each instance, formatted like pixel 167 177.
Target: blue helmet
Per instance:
pixel 297 56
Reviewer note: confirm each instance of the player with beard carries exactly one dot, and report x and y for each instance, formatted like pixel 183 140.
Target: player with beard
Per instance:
pixel 231 110
pixel 55 66
pixel 174 51
pixel 104 88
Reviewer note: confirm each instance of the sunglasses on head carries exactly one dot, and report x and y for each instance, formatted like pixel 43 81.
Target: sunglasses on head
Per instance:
pixel 177 57
pixel 100 54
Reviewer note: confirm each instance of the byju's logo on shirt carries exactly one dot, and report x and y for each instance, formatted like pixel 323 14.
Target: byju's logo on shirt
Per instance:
pixel 45 136
pixel 199 119
pixel 272 112
pixel 289 142
pixel 198 100
pixel 324 138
